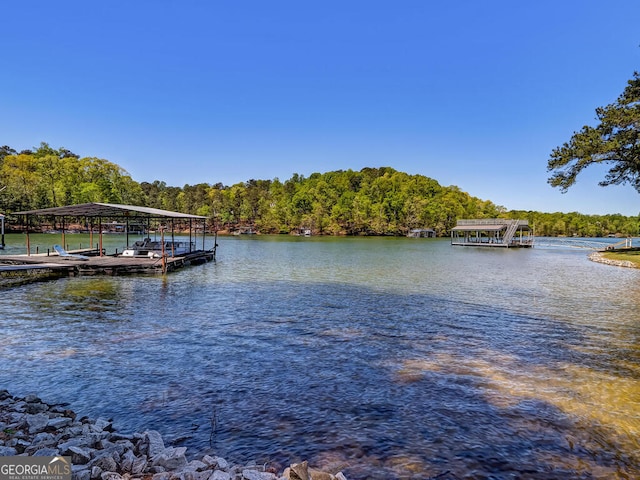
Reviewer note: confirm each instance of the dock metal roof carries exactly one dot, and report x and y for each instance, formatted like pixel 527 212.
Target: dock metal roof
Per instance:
pixel 479 227
pixel 108 210
pixel 488 224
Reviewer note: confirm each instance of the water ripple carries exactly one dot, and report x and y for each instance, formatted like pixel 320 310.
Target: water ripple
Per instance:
pixel 386 358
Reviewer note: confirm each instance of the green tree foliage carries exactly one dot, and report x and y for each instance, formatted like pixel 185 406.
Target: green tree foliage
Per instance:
pixel 615 141
pixel 576 224
pixel 19 173
pixel 372 201
pixel 46 177
pixel 6 150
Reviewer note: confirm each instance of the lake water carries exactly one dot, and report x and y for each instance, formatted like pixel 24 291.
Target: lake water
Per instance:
pixel 390 358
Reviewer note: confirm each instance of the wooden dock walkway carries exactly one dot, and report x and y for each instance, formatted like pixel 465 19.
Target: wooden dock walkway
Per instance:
pixel 56 266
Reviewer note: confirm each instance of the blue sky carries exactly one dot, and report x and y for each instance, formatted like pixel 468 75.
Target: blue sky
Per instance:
pixel 471 93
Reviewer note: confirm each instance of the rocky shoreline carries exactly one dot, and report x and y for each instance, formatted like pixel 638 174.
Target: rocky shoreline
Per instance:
pixel 598 257
pixel 30 427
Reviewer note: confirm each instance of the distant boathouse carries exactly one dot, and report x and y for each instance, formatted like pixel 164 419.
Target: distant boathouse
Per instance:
pixel 421 232
pixel 492 232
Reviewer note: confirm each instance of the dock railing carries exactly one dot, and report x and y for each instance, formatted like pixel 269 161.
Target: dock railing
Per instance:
pixel 491 221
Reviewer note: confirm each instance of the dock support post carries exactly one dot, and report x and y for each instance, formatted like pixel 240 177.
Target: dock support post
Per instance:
pixel 100 234
pixel 28 239
pixel 173 239
pixel 164 255
pixel 204 232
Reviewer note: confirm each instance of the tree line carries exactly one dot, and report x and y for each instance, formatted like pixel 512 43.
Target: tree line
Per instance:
pixel 372 201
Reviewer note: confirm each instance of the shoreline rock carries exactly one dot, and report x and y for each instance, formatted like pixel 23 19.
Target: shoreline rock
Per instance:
pixel 598 257
pixel 30 427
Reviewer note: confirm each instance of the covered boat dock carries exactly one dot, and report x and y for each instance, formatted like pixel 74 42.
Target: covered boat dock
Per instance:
pixel 95 260
pixel 492 232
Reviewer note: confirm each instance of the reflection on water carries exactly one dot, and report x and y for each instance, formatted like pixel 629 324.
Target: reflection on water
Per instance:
pixel 386 358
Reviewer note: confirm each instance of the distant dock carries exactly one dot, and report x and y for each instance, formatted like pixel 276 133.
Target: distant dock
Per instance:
pixel 492 232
